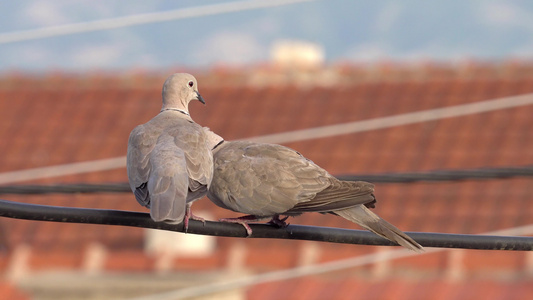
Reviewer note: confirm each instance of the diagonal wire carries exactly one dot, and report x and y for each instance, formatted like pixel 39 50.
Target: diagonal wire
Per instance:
pixel 249 280
pixel 293 136
pixel 156 17
pixel 494 241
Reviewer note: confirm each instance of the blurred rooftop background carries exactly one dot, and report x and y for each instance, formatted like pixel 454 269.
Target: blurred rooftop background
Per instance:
pixel 75 97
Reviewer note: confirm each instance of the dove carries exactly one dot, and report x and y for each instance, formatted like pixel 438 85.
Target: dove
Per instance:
pixel 268 181
pixel 169 162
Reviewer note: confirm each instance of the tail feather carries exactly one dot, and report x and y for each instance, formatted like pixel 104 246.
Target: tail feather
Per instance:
pixel 167 203
pixel 364 217
pixel 168 182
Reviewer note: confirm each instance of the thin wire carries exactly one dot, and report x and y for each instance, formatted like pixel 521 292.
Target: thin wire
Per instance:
pixel 431 176
pixel 444 175
pixel 397 120
pixel 292 136
pixel 113 23
pixel 62 170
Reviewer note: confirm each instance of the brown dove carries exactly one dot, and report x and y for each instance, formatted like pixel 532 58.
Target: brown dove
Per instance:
pixel 268 180
pixel 169 161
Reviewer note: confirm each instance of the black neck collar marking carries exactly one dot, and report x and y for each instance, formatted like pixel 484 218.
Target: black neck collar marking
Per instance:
pixel 219 143
pixel 176 109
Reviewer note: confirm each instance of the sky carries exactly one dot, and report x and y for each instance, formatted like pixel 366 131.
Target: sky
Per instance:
pixel 353 31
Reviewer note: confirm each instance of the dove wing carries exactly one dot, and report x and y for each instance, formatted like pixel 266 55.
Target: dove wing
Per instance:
pixel 140 144
pixel 263 179
pixel 338 195
pixel 198 157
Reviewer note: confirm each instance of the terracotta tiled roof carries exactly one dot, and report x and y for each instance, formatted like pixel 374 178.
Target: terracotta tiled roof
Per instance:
pixel 398 289
pixel 8 291
pixel 59 119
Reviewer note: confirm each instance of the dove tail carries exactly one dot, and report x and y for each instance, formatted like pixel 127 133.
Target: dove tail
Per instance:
pixel 168 183
pixel 364 217
pixel 167 202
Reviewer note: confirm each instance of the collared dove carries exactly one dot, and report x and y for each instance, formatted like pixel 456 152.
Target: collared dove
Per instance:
pixel 268 180
pixel 169 161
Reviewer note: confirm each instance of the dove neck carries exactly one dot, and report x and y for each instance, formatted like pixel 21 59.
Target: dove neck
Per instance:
pixel 176 109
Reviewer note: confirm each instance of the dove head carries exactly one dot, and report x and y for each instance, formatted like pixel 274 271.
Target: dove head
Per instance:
pixel 213 139
pixel 180 89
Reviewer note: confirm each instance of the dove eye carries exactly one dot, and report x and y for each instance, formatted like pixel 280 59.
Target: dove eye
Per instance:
pixel 191 83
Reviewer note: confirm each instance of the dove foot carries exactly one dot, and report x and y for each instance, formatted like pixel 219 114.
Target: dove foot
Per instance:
pixel 279 223
pixel 244 220
pixel 189 215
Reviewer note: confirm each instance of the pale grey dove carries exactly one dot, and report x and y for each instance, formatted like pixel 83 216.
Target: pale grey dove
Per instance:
pixel 169 161
pixel 268 180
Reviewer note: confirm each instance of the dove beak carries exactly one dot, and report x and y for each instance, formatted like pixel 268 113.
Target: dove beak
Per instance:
pixel 200 98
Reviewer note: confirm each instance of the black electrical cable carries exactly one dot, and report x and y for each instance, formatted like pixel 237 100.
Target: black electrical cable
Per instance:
pixel 36 212
pixel 444 175
pixel 438 175
pixel 66 188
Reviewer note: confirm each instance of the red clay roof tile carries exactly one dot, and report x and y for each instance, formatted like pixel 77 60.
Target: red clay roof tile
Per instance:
pixel 65 119
pixel 9 291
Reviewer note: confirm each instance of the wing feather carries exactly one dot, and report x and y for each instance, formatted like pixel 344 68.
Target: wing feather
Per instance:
pixel 339 195
pixel 140 144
